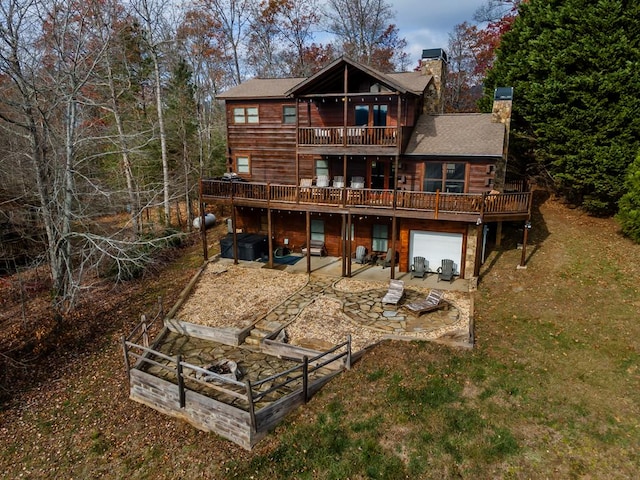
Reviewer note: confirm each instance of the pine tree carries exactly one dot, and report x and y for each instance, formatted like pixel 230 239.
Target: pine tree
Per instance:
pixel 629 213
pixel 573 65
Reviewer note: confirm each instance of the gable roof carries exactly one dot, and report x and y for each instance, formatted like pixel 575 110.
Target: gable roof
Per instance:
pixel 260 88
pixel 460 134
pixel 406 82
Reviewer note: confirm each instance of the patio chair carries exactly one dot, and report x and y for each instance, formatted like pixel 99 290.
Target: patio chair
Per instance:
pixel 338 181
pixel 433 301
pixel 419 267
pixel 322 181
pixel 361 254
pixel 305 183
pixel 386 261
pixel 357 182
pixel 395 292
pixel 445 272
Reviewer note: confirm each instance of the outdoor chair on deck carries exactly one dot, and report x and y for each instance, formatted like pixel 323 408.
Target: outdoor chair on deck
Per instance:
pixel 433 301
pixel 338 181
pixel 395 292
pixel 361 254
pixel 419 267
pixel 386 261
pixel 357 182
pixel 445 272
pixel 322 181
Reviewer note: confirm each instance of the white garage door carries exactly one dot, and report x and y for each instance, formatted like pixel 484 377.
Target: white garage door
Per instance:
pixel 434 246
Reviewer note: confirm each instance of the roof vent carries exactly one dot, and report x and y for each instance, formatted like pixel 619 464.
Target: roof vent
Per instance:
pixel 503 93
pixel 434 54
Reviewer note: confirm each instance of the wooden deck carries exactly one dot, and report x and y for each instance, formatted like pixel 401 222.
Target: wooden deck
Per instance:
pixel 364 135
pixel 409 204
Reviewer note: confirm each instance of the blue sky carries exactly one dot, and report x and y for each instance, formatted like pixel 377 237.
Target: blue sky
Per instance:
pixel 427 23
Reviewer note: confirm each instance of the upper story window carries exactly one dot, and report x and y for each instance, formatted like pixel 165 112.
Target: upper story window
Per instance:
pixel 380 115
pixel 322 167
pixel 245 115
pixel 362 115
pixel 289 113
pixel 446 177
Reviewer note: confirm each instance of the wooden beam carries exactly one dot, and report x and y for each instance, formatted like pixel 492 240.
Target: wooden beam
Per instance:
pixel 270 239
pixel 308 235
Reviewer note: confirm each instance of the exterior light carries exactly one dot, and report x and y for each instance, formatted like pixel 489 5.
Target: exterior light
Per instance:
pixel 479 221
pixel 527 225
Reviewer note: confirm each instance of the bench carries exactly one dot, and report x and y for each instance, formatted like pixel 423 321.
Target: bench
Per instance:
pixel 316 247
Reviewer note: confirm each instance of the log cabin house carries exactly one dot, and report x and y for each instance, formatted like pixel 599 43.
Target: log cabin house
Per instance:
pixel 354 157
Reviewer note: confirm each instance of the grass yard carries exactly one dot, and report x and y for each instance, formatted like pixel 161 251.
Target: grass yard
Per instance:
pixel 552 390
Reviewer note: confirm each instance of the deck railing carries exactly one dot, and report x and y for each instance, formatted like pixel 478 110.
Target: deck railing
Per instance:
pixel 364 135
pixel 465 203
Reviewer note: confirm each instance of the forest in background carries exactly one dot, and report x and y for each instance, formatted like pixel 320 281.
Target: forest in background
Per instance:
pixel 109 116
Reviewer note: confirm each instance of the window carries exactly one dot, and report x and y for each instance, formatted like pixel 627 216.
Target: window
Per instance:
pixel 322 167
pixel 380 115
pixel 362 115
pixel 245 115
pixel 446 177
pixel 317 230
pixel 455 178
pixel 380 238
pixel 289 114
pixel 242 165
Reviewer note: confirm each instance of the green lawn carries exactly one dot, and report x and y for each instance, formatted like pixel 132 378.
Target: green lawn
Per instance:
pixel 552 390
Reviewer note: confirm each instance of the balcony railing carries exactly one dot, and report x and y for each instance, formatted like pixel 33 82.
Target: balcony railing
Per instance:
pixel 451 203
pixel 337 136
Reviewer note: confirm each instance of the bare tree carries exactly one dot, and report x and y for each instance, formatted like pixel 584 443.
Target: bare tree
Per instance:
pixel 365 31
pixel 231 19
pixel 157 31
pixel 283 32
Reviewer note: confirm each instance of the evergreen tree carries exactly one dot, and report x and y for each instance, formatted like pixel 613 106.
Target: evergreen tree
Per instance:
pixel 574 68
pixel 629 214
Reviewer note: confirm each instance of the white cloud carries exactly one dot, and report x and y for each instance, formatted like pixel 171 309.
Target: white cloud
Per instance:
pixel 428 24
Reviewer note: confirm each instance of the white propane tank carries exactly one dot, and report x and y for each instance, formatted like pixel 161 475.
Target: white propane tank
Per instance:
pixel 209 221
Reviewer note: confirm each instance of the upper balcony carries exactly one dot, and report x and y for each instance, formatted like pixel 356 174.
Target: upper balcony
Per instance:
pixel 362 137
pixel 463 207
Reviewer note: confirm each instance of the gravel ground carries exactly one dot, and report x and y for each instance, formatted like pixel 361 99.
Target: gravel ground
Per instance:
pixel 236 296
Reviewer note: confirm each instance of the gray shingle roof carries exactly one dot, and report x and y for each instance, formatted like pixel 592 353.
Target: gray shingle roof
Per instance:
pixel 415 82
pixel 261 88
pixel 459 134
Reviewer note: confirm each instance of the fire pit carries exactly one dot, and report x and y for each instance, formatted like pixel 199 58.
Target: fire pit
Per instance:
pixel 224 368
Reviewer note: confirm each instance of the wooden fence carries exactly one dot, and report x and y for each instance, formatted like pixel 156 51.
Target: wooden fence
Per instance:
pixel 176 388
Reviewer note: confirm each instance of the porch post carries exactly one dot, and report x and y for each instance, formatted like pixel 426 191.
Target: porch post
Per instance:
pixel 235 234
pixel 393 246
pixel 270 233
pixel 523 257
pixel 476 264
pixel 346 260
pixel 347 235
pixel 308 235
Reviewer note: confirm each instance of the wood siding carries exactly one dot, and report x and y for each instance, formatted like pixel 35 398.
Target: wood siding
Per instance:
pixel 270 144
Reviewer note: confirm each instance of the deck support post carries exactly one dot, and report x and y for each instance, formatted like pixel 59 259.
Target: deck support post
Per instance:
pixel 523 257
pixel 393 246
pixel 235 233
pixel 346 258
pixel 308 237
pixel 270 238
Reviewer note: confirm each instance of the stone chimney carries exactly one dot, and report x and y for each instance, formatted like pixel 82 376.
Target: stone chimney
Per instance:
pixel 434 63
pixel 501 113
